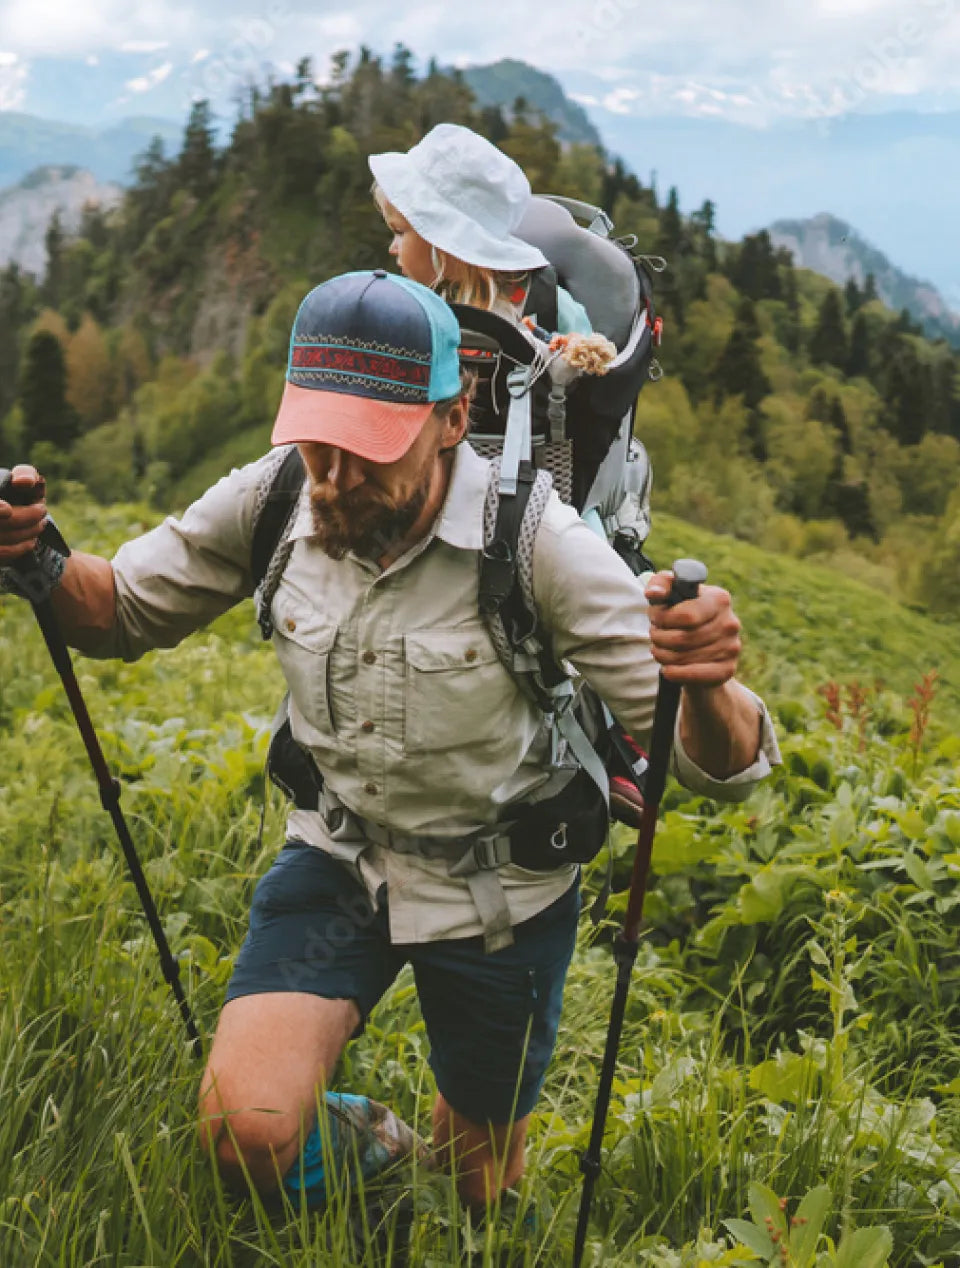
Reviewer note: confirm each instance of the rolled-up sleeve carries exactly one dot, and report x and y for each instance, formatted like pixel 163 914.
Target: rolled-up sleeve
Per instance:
pixel 597 615
pixel 186 572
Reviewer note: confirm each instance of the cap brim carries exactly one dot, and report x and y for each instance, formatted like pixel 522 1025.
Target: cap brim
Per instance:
pixel 381 431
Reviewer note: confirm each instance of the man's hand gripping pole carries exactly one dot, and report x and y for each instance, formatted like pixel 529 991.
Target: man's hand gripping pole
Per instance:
pixel 34 581
pixel 688 574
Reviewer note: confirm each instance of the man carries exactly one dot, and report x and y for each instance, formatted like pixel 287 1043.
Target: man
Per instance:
pixel 420 735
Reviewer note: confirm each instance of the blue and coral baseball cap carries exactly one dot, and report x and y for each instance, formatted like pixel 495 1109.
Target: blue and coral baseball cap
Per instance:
pixel 370 355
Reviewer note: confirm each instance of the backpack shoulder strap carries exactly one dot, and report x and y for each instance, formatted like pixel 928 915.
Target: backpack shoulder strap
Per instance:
pixel 541 301
pixel 277 500
pixel 522 644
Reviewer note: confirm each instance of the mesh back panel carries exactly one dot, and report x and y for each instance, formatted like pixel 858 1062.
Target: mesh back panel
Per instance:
pixel 555 457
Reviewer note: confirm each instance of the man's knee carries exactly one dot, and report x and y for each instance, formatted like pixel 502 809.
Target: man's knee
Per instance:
pixel 250 1146
pixel 247 1145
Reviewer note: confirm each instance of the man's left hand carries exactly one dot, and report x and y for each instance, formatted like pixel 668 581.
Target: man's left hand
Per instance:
pixel 696 643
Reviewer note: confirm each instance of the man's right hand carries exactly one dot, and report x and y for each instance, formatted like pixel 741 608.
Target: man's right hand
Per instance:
pixel 21 526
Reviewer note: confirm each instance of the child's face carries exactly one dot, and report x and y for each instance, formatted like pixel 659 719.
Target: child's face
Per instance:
pixel 412 253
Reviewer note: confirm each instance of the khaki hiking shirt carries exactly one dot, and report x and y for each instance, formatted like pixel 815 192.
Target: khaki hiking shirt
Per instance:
pixel 395 684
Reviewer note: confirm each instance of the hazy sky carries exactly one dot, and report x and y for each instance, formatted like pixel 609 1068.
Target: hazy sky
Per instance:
pixel 748 60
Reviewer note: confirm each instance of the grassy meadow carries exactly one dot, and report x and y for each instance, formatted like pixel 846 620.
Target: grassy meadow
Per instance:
pixel 789 1085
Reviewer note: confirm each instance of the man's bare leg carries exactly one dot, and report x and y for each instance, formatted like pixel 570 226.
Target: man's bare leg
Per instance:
pixel 272 1056
pixel 487 1159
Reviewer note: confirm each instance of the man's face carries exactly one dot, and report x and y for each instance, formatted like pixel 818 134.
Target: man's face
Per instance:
pixel 368 507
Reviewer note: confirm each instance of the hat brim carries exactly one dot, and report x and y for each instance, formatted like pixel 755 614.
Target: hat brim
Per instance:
pixel 445 226
pixel 381 431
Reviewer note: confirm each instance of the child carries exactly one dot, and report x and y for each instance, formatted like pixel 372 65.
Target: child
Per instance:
pixel 453 203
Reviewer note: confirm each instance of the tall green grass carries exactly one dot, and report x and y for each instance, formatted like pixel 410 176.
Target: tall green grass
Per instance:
pixel 792 1024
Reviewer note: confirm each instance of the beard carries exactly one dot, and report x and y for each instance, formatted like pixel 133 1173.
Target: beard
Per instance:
pixel 364 520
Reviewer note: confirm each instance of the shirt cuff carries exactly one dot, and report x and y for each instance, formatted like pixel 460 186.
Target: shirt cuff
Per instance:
pixel 736 787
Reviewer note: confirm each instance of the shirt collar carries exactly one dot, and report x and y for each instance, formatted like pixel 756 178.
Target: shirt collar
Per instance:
pixel 460 522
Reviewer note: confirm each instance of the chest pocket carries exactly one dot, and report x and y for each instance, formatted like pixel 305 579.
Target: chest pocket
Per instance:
pixel 304 641
pixel 456 691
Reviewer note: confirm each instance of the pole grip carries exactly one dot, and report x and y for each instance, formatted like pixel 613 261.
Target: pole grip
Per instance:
pixel 688 576
pixel 20 494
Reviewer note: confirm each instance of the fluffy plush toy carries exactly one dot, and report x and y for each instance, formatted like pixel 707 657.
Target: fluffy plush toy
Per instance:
pixel 589 354
pixel 574 354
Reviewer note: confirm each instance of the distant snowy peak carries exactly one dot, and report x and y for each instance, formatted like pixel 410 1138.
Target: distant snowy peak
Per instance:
pixel 27 208
pixel 831 247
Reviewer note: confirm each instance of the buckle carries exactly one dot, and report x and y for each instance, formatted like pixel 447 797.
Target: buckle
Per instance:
pixel 491 852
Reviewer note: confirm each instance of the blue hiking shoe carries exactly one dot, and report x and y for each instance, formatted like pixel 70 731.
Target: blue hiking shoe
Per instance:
pixel 354 1137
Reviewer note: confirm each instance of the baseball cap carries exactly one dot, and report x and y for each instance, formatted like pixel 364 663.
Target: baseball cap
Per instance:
pixel 370 355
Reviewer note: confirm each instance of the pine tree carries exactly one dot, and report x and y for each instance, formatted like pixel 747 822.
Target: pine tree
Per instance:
pixel 905 393
pixel 402 76
pixel 11 318
pixel 943 411
pixel 869 288
pixel 858 362
pixel 739 373
pixel 197 164
pixel 52 289
pixel 852 296
pixel 791 299
pixel 705 222
pixel 828 344
pixel 671 229
pixel 47 417
pixel 493 125
pixel 838 420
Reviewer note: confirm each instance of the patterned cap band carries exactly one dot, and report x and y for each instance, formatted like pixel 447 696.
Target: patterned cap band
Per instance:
pixel 404 376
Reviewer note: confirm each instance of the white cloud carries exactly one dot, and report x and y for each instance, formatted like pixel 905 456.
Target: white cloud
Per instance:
pixel 13 81
pixel 143 83
pixel 621 100
pixel 56 28
pixel 746 57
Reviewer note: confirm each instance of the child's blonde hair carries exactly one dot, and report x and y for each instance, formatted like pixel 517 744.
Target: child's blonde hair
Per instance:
pixel 477 286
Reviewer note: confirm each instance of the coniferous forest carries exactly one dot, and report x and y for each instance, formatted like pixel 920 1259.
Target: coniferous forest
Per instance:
pixel 150 356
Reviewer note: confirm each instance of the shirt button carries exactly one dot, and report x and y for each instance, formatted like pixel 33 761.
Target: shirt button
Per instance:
pixel 291 625
pixel 470 654
pixel 366 726
pixel 369 658
pixel 371 790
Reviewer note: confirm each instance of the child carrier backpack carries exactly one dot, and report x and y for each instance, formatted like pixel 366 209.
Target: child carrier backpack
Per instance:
pixel 578 441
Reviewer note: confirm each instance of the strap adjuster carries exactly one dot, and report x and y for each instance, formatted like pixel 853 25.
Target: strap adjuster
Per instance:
pixel 485 854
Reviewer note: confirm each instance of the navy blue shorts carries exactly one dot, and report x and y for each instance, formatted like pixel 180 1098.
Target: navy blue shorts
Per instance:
pixel 491 1018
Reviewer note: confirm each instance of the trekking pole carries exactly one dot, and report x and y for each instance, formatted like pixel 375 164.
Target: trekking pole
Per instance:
pixel 688 574
pixel 108 786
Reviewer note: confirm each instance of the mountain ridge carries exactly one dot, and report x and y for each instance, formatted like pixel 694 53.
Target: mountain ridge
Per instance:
pixel 830 246
pixel 27 208
pixel 501 83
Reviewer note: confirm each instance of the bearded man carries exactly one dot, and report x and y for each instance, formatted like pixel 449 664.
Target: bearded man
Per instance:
pixel 420 739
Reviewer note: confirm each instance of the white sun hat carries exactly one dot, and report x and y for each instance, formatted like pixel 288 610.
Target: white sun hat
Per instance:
pixel 463 196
